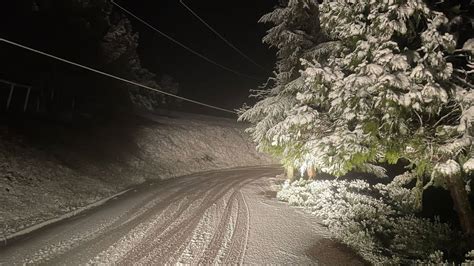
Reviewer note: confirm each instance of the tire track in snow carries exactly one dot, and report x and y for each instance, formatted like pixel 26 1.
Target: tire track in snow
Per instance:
pixel 157 226
pixel 225 230
pixel 215 245
pixel 118 250
pixel 165 222
pixel 241 231
pixel 160 245
pixel 146 245
pixel 247 233
pixel 47 253
pixel 202 235
pixel 227 239
pixel 104 238
pixel 52 251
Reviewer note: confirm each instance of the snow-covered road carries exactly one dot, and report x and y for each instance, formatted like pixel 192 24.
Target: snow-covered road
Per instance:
pixel 224 217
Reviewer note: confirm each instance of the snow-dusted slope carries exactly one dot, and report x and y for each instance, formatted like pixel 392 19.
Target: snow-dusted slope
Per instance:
pixel 42 183
pixel 183 143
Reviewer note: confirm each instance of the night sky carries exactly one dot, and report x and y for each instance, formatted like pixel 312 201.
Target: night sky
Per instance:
pixel 237 21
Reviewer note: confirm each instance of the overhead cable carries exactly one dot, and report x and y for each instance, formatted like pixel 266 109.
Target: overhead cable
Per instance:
pixel 113 76
pixel 230 44
pixel 183 45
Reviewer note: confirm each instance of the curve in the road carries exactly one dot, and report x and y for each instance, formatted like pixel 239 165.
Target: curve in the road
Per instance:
pixel 199 219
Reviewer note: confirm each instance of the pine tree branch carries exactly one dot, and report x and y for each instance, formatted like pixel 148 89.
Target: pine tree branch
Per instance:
pixel 419 118
pixel 464 82
pixel 444 117
pixel 465 72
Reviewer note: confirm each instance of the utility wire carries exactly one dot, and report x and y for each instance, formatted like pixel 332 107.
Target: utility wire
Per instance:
pixel 113 76
pixel 222 37
pixel 184 46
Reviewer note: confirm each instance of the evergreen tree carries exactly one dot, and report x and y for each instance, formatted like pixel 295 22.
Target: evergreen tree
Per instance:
pixel 295 33
pixel 382 87
pixel 119 55
pixel 296 30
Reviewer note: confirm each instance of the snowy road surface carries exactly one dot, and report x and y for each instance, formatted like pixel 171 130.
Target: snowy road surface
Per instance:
pixel 219 217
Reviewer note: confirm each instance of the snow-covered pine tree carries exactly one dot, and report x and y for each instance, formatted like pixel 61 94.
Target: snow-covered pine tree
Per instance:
pixel 295 33
pixel 401 92
pixel 296 30
pixel 382 87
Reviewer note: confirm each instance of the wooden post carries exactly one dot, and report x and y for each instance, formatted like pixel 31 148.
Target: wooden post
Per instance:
pixel 27 99
pixel 12 87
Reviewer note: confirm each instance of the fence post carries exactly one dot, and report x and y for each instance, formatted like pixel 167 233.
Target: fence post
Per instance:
pixel 38 104
pixel 12 87
pixel 27 99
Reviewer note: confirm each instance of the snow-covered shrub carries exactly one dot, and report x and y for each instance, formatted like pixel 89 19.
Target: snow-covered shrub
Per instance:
pixel 145 99
pixel 434 258
pixel 469 258
pixel 437 258
pixel 377 221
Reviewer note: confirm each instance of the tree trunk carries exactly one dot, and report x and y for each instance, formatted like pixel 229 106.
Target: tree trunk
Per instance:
pixel 311 173
pixel 290 173
pixel 418 191
pixel 462 206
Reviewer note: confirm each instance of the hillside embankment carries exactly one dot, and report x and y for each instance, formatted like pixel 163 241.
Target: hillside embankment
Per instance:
pixel 48 170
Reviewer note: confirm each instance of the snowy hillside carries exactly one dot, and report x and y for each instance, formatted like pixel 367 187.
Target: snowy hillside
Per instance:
pixel 42 181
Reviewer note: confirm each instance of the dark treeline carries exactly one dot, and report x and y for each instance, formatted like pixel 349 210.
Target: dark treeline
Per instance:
pixel 88 32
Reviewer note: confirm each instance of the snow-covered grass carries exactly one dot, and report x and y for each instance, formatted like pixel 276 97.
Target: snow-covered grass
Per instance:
pixel 56 170
pixel 376 220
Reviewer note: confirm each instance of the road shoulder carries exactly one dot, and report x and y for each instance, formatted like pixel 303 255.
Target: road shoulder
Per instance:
pixel 281 234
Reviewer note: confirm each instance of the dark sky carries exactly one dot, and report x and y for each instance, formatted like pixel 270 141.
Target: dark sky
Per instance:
pixel 200 80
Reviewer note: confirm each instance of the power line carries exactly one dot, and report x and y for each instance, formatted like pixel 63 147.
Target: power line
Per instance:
pixel 113 76
pixel 184 46
pixel 222 37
